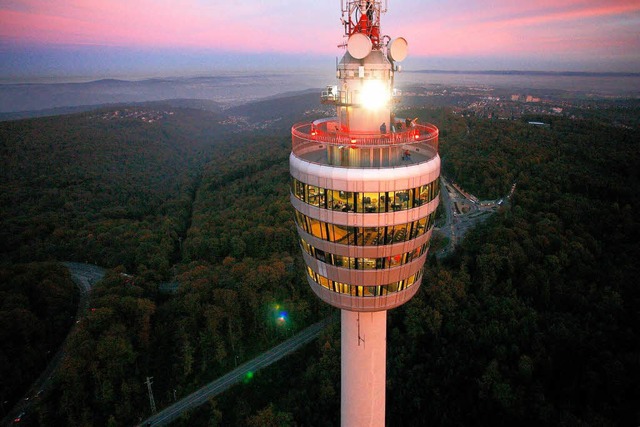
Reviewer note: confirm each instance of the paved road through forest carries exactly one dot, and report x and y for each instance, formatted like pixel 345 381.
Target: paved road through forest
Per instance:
pixel 216 387
pixel 84 276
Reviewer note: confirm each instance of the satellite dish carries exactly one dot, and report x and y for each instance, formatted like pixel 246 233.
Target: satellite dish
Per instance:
pixel 398 49
pixel 359 46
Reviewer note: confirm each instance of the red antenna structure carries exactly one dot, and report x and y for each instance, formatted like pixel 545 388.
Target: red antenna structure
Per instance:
pixel 363 16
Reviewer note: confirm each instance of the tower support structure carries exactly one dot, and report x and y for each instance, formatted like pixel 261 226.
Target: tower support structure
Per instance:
pixel 365 189
pixel 363 368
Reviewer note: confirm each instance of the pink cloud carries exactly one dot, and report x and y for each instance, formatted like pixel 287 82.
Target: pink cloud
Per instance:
pixel 512 28
pixel 245 26
pixel 570 14
pixel 454 28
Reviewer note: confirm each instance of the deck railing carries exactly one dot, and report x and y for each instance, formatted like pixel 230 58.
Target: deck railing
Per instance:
pixel 393 149
pixel 320 133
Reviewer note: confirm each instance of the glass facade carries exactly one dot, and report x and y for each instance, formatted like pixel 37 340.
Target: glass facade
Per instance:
pixel 364 236
pixel 363 291
pixel 363 263
pixel 345 201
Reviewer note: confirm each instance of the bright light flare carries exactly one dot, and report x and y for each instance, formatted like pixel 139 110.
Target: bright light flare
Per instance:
pixel 282 317
pixel 374 95
pixel 247 377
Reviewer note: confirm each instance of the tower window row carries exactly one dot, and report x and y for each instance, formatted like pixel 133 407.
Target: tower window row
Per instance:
pixel 363 263
pixel 346 201
pixel 364 236
pixel 363 291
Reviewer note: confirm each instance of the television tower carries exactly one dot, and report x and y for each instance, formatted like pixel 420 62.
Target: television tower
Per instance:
pixel 365 190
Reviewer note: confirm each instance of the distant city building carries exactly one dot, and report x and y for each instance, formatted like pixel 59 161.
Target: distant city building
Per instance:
pixel 365 187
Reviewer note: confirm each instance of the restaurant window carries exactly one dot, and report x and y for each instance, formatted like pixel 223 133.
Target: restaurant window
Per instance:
pixel 341 234
pixel 298 189
pixel 424 194
pixel 323 281
pixel 400 233
pixel 368 264
pixel 337 202
pixel 322 199
pixel 312 195
pixel 402 200
pixel 364 291
pixel 316 228
pixel 345 201
pixel 364 236
pixel 371 203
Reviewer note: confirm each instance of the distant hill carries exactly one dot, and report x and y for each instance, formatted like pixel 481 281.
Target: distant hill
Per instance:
pixel 275 111
pixel 285 107
pixel 232 89
pixel 196 104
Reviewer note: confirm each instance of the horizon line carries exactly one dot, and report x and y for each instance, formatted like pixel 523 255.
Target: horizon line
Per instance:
pixel 531 72
pixel 93 79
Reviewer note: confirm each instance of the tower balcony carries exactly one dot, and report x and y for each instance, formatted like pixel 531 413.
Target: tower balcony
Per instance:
pixel 324 142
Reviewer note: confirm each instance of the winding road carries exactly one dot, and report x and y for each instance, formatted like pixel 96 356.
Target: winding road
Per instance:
pixel 223 383
pixel 84 276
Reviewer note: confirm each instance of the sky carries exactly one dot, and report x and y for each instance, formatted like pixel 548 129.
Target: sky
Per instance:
pixel 146 38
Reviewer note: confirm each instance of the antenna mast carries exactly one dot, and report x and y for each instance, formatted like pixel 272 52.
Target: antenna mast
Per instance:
pixel 363 16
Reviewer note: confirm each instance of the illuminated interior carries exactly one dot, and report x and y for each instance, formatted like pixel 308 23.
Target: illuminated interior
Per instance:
pixel 345 201
pixel 364 236
pixel 364 263
pixel 363 291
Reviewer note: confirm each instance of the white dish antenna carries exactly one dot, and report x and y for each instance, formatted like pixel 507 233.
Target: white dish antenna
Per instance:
pixel 359 46
pixel 398 49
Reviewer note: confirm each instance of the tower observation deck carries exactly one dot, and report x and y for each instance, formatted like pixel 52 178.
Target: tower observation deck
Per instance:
pixel 365 188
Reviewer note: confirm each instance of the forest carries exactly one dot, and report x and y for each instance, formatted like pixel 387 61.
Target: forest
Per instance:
pixel 38 302
pixel 533 320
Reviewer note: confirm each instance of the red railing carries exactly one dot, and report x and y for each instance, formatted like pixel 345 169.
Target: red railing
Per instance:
pixel 319 133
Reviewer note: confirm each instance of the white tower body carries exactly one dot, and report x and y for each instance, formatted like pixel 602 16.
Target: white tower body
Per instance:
pixel 365 199
pixel 363 363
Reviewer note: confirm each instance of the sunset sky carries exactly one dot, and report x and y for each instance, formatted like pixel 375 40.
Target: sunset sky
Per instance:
pixel 169 37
